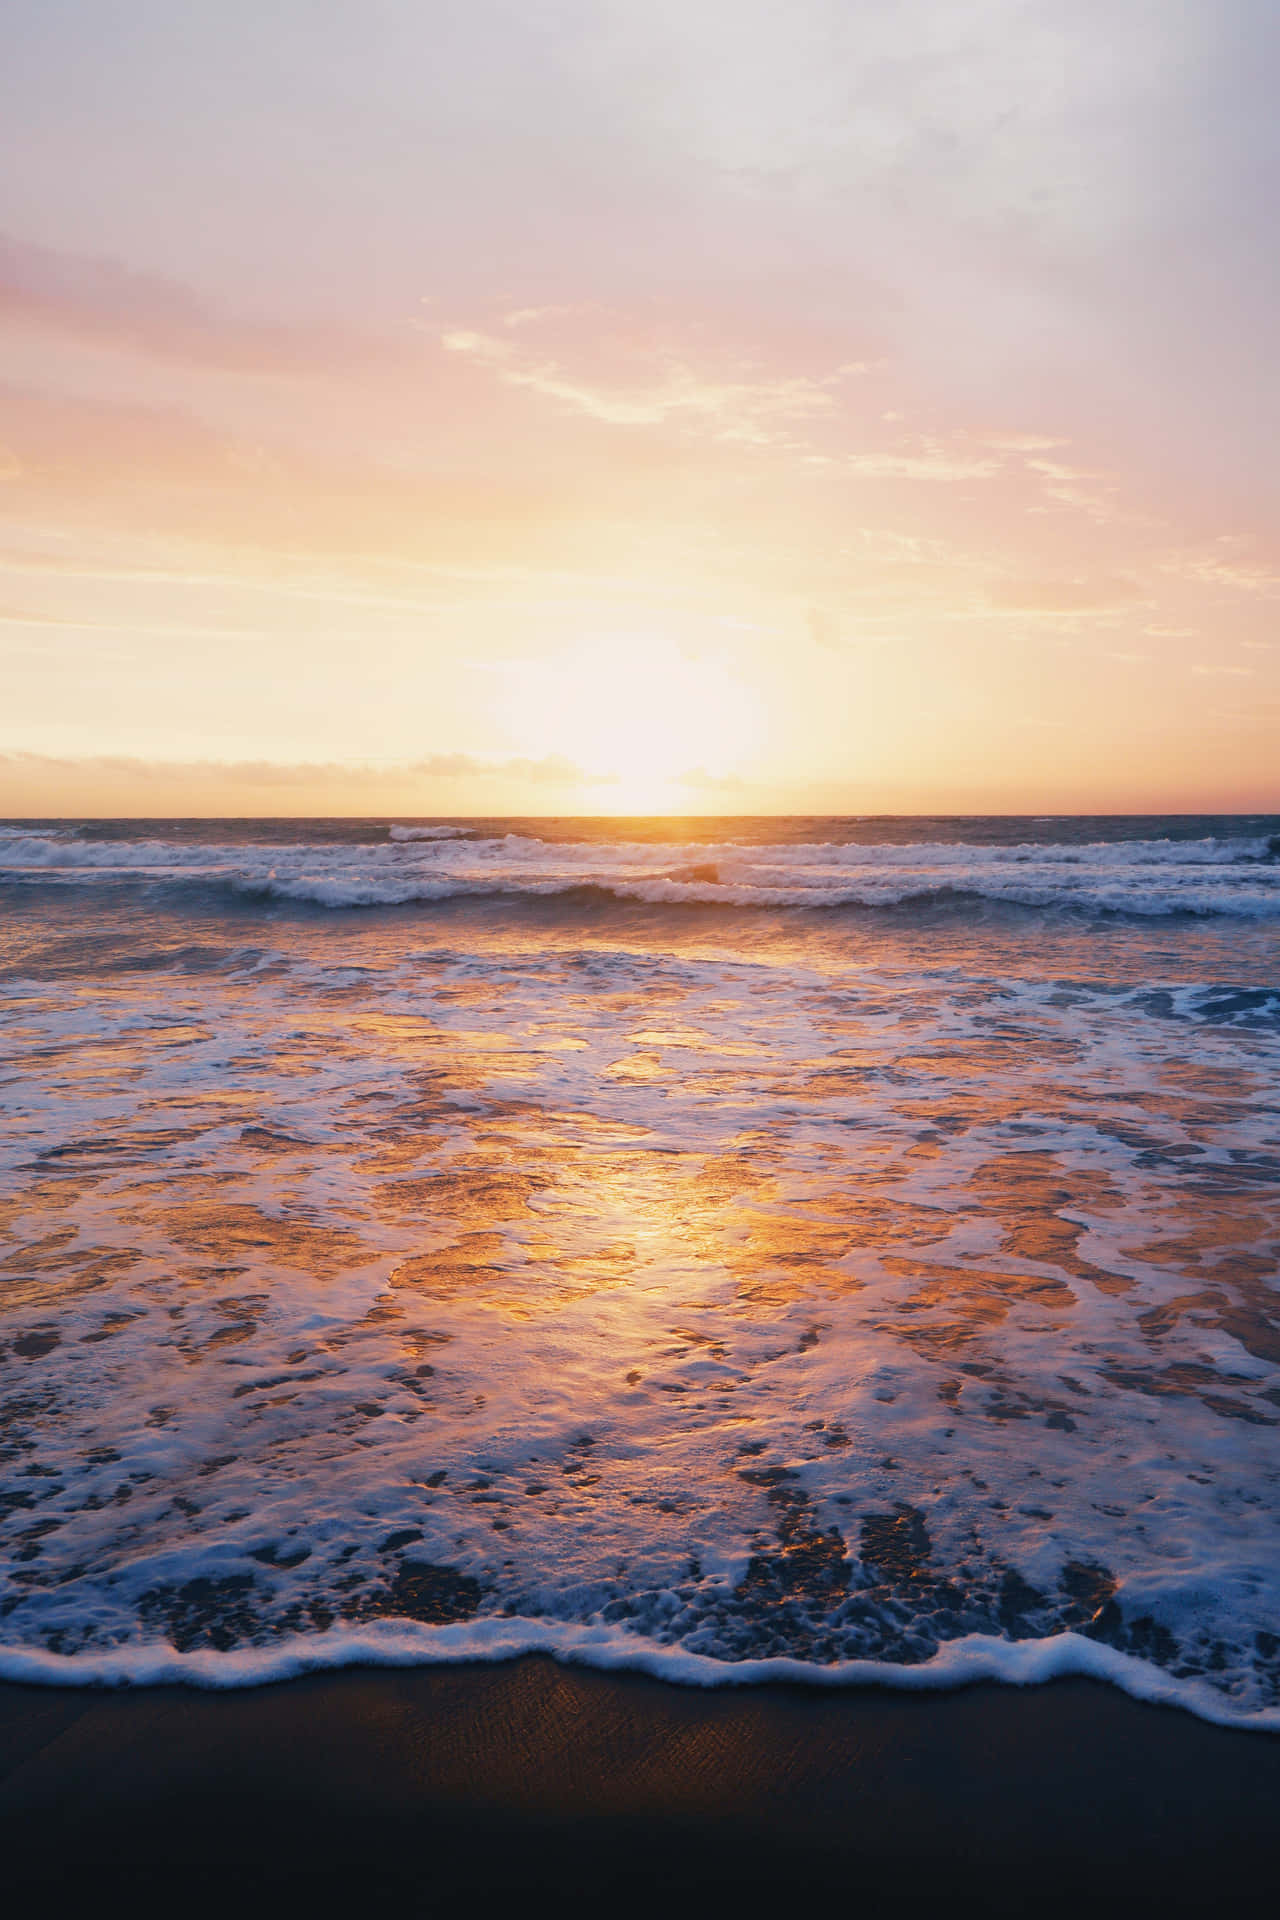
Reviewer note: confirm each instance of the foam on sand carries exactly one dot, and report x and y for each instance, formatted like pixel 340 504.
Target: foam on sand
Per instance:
pixel 961 1663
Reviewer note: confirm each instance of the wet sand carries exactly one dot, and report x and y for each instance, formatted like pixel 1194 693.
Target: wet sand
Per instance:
pixel 474 1789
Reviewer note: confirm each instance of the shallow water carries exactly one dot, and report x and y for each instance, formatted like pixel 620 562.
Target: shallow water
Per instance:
pixel 582 1243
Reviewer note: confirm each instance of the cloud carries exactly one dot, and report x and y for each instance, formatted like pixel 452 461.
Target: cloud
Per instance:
pixel 1022 442
pixel 893 547
pixel 1077 487
pixel 1227 566
pixel 103 301
pixel 553 770
pixel 1064 596
pixel 927 460
pixel 651 387
pixel 21 617
pixel 530 316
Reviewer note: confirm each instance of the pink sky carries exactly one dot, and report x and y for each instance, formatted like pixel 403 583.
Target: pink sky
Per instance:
pixel 587 407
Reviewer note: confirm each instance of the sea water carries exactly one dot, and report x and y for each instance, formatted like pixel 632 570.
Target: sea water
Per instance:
pixel 845 1249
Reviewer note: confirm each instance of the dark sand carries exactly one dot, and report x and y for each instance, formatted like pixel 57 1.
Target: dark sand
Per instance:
pixel 469 1790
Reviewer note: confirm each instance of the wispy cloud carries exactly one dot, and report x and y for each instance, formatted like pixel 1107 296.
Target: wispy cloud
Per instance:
pixel 1022 442
pixel 104 301
pixel 626 381
pixel 1079 595
pixel 359 781
pixel 652 388
pixel 926 460
pixel 1228 564
pixel 553 770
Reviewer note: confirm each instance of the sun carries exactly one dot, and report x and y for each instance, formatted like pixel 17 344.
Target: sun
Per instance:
pixel 638 715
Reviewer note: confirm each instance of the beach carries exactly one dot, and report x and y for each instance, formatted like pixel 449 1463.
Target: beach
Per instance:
pixel 472 1789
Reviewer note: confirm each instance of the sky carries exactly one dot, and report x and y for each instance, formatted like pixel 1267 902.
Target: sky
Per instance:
pixel 464 406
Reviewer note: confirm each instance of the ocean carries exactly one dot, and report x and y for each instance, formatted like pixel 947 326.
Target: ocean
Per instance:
pixel 831 1249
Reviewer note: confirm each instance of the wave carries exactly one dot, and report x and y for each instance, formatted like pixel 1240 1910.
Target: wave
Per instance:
pixel 405 1643
pixel 1211 877
pixel 433 833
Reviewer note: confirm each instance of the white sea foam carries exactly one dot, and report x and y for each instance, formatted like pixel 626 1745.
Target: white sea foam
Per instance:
pixel 960 1663
pixel 429 833
pixel 1151 878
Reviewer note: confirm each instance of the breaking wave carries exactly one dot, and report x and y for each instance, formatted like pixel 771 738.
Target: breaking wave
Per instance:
pixel 1234 877
pixel 405 1643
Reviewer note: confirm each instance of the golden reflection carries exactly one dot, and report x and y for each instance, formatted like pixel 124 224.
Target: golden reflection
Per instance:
pixel 236 1231
pixel 643 1067
pixel 461 1190
pixel 1028 1193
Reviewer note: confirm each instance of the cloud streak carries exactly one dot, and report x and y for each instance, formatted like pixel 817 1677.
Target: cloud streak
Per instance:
pixel 550 770
pixel 107 303
pixel 46 785
pixel 656 389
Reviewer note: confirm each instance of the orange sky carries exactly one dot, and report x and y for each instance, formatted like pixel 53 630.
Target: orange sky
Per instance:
pixel 595 408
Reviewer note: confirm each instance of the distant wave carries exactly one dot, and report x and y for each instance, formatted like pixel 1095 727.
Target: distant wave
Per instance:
pixel 431 833
pixel 1232 878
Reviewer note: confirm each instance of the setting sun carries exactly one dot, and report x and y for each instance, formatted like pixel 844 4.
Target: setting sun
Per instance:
pixel 643 719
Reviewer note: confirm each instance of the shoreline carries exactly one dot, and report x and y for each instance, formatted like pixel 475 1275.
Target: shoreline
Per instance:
pixel 480 1784
pixel 973 1660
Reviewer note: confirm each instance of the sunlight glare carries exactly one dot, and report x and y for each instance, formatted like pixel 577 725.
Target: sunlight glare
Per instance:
pixel 639 717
